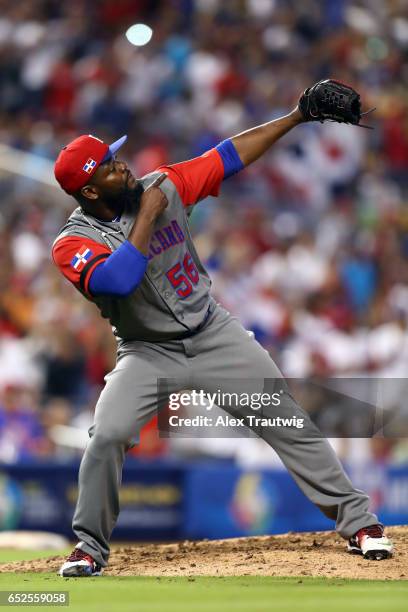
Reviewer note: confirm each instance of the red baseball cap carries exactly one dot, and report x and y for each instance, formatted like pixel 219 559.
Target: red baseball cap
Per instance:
pixel 79 160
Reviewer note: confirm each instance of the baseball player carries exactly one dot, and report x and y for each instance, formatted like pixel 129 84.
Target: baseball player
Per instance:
pixel 127 248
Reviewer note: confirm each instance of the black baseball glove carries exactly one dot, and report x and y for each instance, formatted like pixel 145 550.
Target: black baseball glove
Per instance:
pixel 333 100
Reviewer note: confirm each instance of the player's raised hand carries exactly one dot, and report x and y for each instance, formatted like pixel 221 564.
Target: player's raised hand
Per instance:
pixel 153 201
pixel 334 101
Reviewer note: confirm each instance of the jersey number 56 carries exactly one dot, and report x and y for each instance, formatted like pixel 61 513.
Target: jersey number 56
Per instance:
pixel 183 276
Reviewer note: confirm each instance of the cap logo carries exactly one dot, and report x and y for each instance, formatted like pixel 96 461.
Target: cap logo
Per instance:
pixel 89 166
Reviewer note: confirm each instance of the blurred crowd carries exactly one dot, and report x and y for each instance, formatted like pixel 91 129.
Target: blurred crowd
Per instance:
pixel 308 246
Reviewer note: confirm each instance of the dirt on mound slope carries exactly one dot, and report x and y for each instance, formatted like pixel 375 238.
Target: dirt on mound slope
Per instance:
pixel 292 554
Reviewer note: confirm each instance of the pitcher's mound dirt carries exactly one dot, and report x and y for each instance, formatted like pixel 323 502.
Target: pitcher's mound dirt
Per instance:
pixel 292 554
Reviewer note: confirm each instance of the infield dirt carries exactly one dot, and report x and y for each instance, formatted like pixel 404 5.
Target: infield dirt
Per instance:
pixel 320 554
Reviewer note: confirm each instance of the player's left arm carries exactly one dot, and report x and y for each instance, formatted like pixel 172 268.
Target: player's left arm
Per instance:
pixel 252 143
pixel 202 176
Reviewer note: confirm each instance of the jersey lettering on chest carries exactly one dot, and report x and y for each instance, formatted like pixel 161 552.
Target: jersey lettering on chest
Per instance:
pixel 165 238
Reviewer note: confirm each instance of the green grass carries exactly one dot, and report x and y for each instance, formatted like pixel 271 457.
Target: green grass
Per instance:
pixel 7 555
pixel 207 594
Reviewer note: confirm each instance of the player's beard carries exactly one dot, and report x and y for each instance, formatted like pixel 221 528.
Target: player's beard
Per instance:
pixel 128 199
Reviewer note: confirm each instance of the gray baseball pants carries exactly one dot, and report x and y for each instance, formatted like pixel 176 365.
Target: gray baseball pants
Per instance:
pixel 221 350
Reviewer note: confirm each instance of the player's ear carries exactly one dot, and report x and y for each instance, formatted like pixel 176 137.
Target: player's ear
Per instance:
pixel 90 192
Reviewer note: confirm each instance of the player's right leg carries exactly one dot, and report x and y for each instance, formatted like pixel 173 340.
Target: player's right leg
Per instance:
pixel 128 401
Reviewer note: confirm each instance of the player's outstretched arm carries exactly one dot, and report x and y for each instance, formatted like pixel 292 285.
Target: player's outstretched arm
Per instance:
pixel 252 143
pixel 327 100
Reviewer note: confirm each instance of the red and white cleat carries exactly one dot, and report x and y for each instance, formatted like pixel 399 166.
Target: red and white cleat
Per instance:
pixel 372 543
pixel 80 564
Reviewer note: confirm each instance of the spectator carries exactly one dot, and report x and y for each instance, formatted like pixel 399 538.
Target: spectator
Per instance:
pixel 21 434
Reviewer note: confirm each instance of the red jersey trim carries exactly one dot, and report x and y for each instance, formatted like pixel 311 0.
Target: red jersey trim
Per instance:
pixel 197 178
pixel 77 258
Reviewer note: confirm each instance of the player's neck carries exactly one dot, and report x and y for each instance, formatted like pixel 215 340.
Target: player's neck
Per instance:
pixel 104 213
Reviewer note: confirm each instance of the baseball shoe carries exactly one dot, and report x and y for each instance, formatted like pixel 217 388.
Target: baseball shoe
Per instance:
pixel 372 543
pixel 80 564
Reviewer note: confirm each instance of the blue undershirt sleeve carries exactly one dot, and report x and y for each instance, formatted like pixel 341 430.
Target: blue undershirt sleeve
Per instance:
pixel 120 273
pixel 230 158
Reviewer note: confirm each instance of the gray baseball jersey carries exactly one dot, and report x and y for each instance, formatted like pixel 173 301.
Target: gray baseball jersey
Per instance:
pixel 173 298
